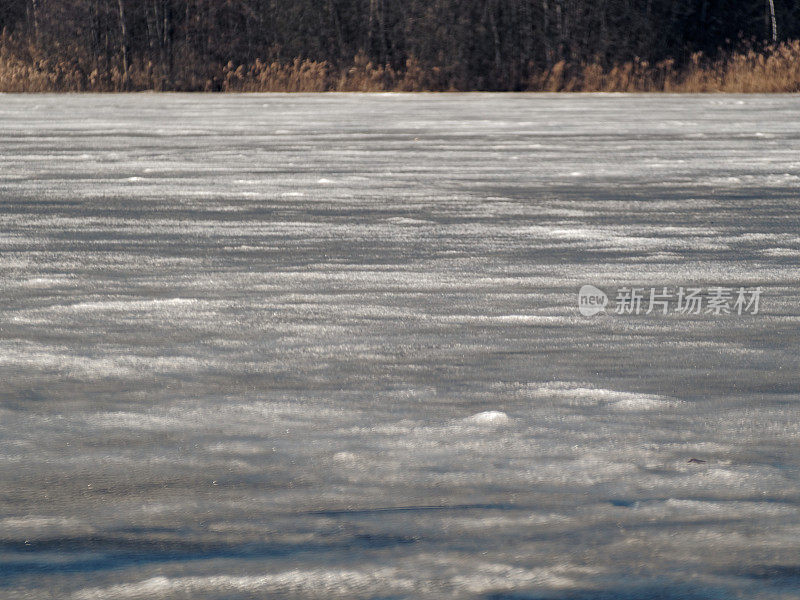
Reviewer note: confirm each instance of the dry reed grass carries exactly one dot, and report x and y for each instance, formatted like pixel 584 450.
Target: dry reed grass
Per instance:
pixel 24 69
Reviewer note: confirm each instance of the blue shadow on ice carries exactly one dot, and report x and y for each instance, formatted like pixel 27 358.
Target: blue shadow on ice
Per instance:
pixel 92 554
pixel 650 592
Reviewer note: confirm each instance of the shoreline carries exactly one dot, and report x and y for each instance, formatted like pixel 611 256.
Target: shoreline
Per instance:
pixel 775 69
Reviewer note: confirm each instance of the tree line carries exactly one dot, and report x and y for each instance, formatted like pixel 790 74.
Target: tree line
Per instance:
pixel 443 44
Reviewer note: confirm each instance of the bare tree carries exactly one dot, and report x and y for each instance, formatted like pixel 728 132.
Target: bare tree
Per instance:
pixel 35 11
pixel 123 29
pixel 771 4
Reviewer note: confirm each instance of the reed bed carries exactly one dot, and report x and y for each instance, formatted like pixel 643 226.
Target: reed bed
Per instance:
pixel 776 68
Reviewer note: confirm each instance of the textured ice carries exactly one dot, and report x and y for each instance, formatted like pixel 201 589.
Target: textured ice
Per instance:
pixel 328 346
pixel 488 417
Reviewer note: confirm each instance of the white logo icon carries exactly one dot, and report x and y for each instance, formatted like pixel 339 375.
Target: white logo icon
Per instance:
pixel 591 300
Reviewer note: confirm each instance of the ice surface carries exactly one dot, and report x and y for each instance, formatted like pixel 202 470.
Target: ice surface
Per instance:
pixel 328 346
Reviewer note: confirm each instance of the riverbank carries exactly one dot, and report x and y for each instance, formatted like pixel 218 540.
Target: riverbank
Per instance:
pixel 776 69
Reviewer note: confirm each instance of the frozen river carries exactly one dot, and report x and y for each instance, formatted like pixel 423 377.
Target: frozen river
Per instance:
pixel 329 346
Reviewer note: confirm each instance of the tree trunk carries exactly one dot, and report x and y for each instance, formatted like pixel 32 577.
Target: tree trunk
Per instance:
pixel 123 29
pixel 548 48
pixel 773 21
pixel 35 10
pixel 337 27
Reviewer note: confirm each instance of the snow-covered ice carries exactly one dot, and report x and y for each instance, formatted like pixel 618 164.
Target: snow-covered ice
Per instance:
pixel 328 346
